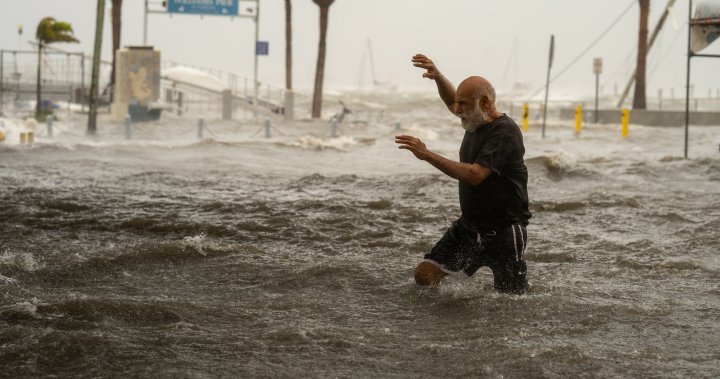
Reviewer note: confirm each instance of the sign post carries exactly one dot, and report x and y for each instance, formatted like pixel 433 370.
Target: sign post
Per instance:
pixel 229 8
pixel 206 7
pixel 597 70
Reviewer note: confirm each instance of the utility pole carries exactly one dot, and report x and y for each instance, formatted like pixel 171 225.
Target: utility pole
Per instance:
pixel 92 119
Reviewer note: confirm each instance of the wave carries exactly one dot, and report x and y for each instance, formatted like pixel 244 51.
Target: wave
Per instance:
pixel 65 206
pixel 173 226
pixel 88 310
pixel 332 273
pixel 12 262
pixel 592 200
pixel 315 143
pixel 70 267
pixel 551 257
pixel 638 265
pixel 673 217
pixel 559 165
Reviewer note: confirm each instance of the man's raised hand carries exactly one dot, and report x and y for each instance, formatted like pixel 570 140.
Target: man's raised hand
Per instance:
pixel 415 145
pixel 422 61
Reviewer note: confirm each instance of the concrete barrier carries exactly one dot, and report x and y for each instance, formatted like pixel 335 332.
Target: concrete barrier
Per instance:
pixel 645 117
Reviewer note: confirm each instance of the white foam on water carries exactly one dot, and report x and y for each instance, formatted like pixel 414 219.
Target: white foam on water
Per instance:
pixel 420 132
pixel 459 286
pixel 7 279
pixel 314 143
pixel 25 307
pixel 23 261
pixel 196 243
pixel 12 128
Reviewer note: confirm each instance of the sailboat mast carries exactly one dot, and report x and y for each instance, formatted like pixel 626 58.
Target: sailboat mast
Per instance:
pixel 372 62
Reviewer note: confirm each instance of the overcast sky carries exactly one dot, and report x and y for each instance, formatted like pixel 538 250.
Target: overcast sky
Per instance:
pixel 505 41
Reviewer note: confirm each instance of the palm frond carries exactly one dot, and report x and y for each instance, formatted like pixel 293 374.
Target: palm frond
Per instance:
pixel 50 31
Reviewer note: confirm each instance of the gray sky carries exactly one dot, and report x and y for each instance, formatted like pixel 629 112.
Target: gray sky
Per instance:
pixel 506 41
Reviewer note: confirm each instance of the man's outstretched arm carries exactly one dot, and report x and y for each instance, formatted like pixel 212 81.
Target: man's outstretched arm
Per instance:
pixel 445 88
pixel 471 173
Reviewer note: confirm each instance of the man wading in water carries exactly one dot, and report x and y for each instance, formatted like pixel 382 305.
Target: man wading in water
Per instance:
pixel 492 179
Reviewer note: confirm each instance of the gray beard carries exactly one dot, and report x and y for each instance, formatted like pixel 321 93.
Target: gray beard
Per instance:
pixel 471 125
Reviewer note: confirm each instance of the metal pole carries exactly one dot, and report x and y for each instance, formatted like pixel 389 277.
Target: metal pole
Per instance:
pixel 687 82
pixel 255 77
pixel 82 83
pixel 2 78
pixel 547 82
pixel 128 127
pixel 49 122
pixel 597 86
pixel 333 128
pixel 145 18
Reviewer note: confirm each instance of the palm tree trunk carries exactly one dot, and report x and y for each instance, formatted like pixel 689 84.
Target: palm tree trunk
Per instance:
pixel 639 101
pixel 320 68
pixel 288 44
pixel 116 29
pixel 92 118
pixel 38 98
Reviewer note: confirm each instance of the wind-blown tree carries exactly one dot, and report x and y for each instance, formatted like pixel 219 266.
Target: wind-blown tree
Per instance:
pixel 116 29
pixel 320 68
pixel 639 101
pixel 49 31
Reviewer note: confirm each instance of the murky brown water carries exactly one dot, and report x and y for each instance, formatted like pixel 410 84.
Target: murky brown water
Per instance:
pixel 241 256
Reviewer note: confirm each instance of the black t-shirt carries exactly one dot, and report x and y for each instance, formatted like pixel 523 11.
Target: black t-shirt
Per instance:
pixel 501 199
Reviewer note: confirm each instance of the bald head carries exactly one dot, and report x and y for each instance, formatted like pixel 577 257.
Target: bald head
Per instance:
pixel 480 89
pixel 475 102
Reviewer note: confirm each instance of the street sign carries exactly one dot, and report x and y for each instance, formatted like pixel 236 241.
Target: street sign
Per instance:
pixel 209 7
pixel 597 66
pixel 262 48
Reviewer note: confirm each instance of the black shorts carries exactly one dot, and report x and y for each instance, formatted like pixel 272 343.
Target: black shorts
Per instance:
pixel 464 248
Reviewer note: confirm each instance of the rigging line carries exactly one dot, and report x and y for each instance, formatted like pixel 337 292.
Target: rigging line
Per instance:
pixel 669 49
pixel 632 2
pixel 510 60
pixel 623 66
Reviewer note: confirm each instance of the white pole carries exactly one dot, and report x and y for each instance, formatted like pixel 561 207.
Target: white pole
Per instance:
pixel 255 77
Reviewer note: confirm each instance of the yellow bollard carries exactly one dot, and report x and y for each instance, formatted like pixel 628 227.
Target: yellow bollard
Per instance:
pixel 625 122
pixel 526 115
pixel 30 137
pixel 23 138
pixel 578 119
pixel 2 136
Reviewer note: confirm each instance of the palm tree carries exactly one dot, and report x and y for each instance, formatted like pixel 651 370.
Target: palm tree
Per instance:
pixel 320 68
pixel 288 45
pixel 49 31
pixel 116 28
pixel 639 97
pixel 289 108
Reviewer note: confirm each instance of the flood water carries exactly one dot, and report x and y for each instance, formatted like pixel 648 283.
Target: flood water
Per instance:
pixel 292 256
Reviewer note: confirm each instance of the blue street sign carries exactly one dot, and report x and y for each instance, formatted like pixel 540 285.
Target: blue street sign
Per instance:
pixel 262 48
pixel 211 7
